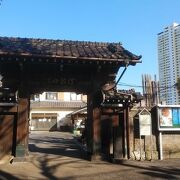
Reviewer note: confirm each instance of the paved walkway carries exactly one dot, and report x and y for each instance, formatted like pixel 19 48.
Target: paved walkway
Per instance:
pixel 56 155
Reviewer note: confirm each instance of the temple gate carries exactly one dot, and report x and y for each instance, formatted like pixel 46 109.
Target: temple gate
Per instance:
pixel 31 66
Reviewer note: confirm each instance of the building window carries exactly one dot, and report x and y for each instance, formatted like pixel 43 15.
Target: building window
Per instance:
pixel 51 96
pixel 35 97
pixel 75 97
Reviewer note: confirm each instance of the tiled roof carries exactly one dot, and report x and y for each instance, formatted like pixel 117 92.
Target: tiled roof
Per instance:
pixel 64 49
pixel 57 104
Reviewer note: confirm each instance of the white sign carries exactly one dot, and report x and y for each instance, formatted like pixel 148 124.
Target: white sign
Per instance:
pixel 145 123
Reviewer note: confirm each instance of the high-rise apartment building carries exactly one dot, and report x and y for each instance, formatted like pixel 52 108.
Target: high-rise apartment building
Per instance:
pixel 169 63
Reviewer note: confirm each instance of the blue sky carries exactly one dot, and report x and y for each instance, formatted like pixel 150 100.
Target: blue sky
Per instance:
pixel 134 23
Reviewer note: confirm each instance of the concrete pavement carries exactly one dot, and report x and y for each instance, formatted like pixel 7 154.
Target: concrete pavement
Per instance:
pixel 57 155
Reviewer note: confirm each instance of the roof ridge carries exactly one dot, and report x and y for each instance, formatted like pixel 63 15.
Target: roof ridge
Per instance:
pixel 57 48
pixel 86 42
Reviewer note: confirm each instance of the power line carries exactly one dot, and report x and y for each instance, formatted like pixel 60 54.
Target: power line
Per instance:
pixel 129 85
pixel 140 86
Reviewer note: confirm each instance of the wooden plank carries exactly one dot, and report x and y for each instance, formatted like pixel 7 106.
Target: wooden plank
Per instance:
pixel 22 126
pixel 6 134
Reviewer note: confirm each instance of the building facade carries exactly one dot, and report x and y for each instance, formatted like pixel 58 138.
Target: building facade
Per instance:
pixel 50 110
pixel 169 63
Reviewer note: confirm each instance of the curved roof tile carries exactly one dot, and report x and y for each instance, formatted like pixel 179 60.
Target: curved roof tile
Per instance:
pixel 64 48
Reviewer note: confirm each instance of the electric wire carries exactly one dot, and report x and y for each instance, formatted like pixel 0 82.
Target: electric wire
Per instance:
pixel 140 86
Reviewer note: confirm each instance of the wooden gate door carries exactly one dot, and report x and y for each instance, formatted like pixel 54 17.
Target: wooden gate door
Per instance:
pixel 8 132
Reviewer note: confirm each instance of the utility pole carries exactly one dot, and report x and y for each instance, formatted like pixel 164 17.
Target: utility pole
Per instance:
pixel 150 90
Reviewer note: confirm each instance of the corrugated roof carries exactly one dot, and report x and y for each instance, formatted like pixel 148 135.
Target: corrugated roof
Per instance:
pixel 57 104
pixel 64 49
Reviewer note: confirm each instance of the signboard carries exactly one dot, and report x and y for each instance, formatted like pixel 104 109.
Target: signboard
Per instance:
pixel 169 117
pixel 145 122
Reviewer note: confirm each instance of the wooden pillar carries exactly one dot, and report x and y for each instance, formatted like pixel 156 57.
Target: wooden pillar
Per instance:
pixel 118 150
pixel 96 130
pixel 93 127
pixel 128 132
pixel 89 126
pixel 125 134
pixel 106 134
pixel 8 120
pixel 22 127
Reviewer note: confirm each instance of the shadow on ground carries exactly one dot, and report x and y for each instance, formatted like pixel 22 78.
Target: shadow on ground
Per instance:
pixel 51 155
pixel 50 151
pixel 57 146
pixel 160 170
pixel 7 176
